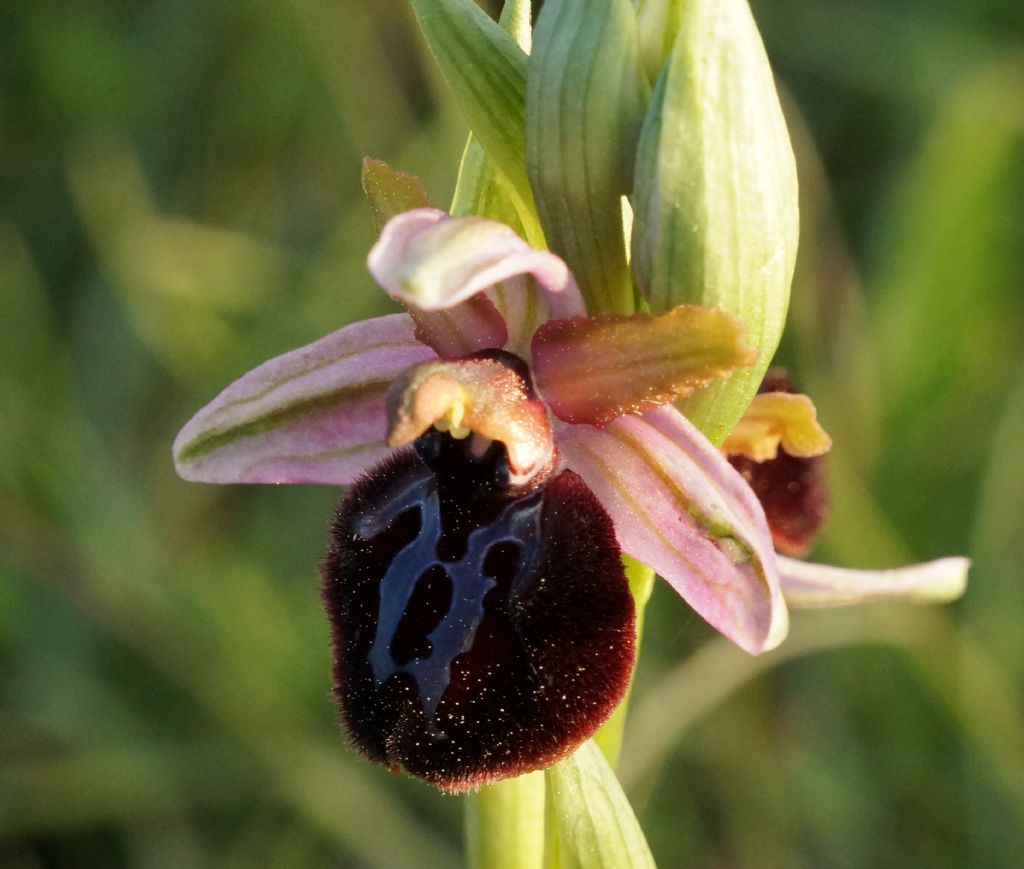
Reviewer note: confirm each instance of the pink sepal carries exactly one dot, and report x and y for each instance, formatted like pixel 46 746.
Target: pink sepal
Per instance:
pixel 679 507
pixel 313 415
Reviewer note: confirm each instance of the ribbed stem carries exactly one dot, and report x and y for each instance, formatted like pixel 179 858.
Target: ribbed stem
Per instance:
pixel 505 824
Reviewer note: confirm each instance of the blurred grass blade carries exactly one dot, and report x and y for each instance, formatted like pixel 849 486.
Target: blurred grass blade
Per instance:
pixel 945 258
pixel 181 283
pixel 585 98
pixel 32 361
pixel 27 308
pixel 715 204
pixel 486 72
pixel 593 825
pixel 997 604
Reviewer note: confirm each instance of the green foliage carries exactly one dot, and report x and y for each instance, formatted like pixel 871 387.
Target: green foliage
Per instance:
pixel 593 824
pixel 716 194
pixel 585 99
pixel 486 71
pixel 180 199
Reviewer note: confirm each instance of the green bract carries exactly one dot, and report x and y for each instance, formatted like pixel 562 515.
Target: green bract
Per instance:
pixel 486 71
pixel 658 22
pixel 592 823
pixel 479 189
pixel 585 99
pixel 716 217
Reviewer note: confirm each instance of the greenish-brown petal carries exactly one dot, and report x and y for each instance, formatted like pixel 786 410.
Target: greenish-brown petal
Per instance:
pixel 592 370
pixel 391 191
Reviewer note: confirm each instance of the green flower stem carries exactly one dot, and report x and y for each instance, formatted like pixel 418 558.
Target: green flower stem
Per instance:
pixel 505 824
pixel 641 583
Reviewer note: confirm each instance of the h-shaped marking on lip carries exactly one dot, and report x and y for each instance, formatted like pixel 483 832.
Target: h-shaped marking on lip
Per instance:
pixel 518 522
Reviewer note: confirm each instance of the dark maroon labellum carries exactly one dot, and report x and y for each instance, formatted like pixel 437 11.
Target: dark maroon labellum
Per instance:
pixel 792 492
pixel 479 632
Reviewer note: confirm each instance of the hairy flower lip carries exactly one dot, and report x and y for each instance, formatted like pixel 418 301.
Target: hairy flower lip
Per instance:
pixel 447 645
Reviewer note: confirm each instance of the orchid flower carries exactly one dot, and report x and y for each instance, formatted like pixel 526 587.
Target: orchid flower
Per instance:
pixel 482 623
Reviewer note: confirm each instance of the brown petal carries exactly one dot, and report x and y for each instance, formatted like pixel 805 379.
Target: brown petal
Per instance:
pixel 591 370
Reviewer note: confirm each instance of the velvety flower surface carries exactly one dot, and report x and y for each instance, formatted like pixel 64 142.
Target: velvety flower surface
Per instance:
pixel 521 409
pixel 479 632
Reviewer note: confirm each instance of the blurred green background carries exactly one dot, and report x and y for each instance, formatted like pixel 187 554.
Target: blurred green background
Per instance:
pixel 179 199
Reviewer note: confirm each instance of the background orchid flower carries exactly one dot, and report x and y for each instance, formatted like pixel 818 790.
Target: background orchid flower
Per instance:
pixel 778 446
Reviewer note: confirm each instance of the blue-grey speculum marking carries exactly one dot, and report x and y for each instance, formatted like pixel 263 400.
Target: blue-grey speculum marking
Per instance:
pixel 518 523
